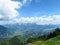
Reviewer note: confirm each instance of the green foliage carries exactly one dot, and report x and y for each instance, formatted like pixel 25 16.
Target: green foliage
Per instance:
pixel 57 31
pixel 42 37
pixel 52 41
pixel 31 39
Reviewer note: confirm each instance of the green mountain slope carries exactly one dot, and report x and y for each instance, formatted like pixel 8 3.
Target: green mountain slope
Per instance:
pixel 17 41
pixel 52 41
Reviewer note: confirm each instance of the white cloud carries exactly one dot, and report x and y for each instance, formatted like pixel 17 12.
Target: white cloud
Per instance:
pixel 8 12
pixel 55 19
pixel 42 20
pixel 26 2
pixel 8 9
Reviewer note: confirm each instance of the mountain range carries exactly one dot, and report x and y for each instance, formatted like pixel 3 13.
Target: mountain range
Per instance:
pixel 11 30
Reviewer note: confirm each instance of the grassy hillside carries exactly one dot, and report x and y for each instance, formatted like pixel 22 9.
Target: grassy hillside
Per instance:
pixel 16 41
pixel 52 41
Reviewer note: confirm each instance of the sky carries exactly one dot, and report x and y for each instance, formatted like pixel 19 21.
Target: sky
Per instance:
pixel 30 11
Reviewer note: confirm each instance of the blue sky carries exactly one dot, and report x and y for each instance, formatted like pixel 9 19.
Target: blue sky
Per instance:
pixel 40 7
pixel 30 11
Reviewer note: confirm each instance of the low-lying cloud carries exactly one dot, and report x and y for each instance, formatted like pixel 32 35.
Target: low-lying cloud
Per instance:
pixel 42 20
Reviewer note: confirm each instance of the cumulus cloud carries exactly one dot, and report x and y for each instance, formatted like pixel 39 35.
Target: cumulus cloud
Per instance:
pixel 8 9
pixel 55 19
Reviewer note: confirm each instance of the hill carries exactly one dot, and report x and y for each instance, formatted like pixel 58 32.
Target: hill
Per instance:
pixel 52 41
pixel 30 29
pixel 4 32
pixel 17 41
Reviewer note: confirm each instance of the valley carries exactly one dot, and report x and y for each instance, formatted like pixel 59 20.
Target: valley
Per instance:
pixel 30 35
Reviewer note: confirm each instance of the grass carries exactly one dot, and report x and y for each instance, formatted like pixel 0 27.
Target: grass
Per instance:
pixel 52 41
